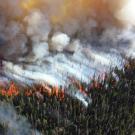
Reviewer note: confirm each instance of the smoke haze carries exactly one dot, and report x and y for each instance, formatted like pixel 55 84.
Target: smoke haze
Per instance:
pixel 15 124
pixel 50 40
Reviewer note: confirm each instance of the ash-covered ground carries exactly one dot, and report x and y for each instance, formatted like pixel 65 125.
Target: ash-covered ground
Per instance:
pixel 52 41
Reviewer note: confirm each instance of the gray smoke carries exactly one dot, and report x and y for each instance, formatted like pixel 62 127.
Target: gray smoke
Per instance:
pixel 14 123
pixel 49 41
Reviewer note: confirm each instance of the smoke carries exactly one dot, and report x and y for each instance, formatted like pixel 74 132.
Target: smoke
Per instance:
pixel 10 8
pixel 15 124
pixel 49 40
pixel 80 96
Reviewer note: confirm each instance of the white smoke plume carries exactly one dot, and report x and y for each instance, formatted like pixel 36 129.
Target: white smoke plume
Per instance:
pixel 80 96
pixel 14 123
pixel 47 40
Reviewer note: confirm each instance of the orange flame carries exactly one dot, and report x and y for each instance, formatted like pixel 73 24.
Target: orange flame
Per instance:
pixel 12 91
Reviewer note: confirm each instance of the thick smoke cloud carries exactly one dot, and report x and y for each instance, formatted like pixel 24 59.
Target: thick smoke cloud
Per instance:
pixel 37 19
pixel 65 35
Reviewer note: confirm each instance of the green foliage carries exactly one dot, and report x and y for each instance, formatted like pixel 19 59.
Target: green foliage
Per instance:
pixel 112 111
pixel 2 129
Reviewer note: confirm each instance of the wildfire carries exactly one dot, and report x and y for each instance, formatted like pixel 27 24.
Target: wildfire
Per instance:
pixel 41 90
pixel 13 90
